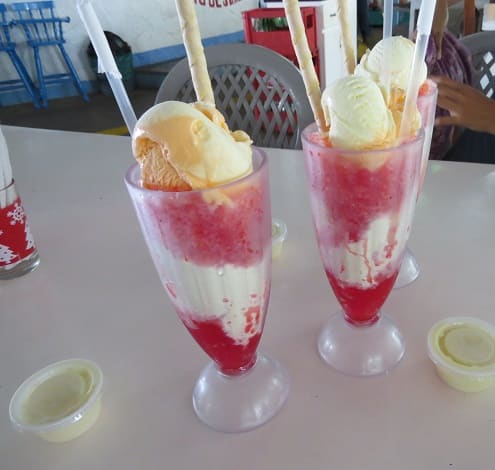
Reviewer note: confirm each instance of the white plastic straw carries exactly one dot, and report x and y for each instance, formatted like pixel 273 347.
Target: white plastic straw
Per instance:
pixel 388 12
pixel 106 61
pixel 5 170
pixel 5 167
pixel 425 20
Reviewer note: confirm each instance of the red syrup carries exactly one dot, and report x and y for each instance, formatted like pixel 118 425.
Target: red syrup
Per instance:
pixel 361 306
pixel 230 357
pixel 355 197
pixel 213 234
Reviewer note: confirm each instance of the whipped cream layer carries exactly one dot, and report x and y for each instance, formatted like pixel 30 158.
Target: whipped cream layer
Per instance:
pixel 234 295
pixel 376 255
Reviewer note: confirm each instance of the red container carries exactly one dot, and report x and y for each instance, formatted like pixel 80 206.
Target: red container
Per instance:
pixel 277 40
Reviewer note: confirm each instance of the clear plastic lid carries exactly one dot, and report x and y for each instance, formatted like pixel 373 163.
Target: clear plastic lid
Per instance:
pixel 463 345
pixel 56 396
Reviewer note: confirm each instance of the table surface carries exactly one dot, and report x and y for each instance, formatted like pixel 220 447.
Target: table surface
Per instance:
pixel 96 295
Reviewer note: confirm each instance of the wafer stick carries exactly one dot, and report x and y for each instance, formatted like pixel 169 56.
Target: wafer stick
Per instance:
pixel 346 36
pixel 195 52
pixel 303 54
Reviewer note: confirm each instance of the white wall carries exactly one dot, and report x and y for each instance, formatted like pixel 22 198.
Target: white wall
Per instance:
pixel 146 25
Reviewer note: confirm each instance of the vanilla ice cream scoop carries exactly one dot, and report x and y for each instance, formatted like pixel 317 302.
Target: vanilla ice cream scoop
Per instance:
pixel 184 146
pixel 398 53
pixel 358 115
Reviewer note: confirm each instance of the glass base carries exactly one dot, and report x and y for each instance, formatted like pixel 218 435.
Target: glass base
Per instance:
pixel 25 266
pixel 244 402
pixel 409 270
pixel 361 350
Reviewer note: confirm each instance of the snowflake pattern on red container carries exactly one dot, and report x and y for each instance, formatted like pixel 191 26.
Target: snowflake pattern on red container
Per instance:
pixel 16 240
pixel 17 215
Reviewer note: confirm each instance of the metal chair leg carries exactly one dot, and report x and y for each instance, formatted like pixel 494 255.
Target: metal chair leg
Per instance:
pixel 75 76
pixel 41 78
pixel 26 79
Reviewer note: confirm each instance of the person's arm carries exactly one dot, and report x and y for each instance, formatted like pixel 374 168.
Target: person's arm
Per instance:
pixel 467 106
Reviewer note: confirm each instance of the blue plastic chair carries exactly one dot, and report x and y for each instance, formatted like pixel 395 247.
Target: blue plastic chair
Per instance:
pixel 43 29
pixel 8 46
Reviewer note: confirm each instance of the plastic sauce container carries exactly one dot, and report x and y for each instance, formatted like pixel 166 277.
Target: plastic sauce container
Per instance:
pixel 463 351
pixel 279 235
pixel 59 402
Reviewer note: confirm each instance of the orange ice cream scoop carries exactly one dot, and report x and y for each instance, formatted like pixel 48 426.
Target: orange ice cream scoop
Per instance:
pixel 181 147
pixel 156 171
pixel 396 106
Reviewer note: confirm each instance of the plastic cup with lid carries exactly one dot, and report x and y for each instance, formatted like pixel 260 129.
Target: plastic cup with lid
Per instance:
pixel 59 402
pixel 463 351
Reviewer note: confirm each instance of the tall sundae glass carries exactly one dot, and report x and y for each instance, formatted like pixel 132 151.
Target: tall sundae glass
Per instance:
pixel 362 204
pixel 389 63
pixel 427 105
pixel 212 250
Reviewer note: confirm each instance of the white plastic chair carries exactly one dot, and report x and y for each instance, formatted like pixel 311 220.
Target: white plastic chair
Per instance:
pixel 256 89
pixel 482 48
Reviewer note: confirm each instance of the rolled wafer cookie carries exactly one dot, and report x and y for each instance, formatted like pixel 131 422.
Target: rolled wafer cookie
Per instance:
pixel 195 52
pixel 303 54
pixel 346 35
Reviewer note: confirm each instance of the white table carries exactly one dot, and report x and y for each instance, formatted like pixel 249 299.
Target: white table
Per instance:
pixel 96 295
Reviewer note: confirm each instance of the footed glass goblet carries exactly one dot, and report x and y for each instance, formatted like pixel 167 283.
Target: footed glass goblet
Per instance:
pixel 362 204
pixel 427 105
pixel 212 251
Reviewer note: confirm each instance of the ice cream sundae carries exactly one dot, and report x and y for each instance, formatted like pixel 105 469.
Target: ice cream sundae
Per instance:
pixel 363 194
pixel 363 164
pixel 203 219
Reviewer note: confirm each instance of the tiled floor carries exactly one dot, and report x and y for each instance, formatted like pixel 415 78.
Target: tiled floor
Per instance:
pixel 101 114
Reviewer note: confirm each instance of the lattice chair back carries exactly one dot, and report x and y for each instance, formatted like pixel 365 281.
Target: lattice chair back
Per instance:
pixel 482 48
pixel 256 89
pixel 41 25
